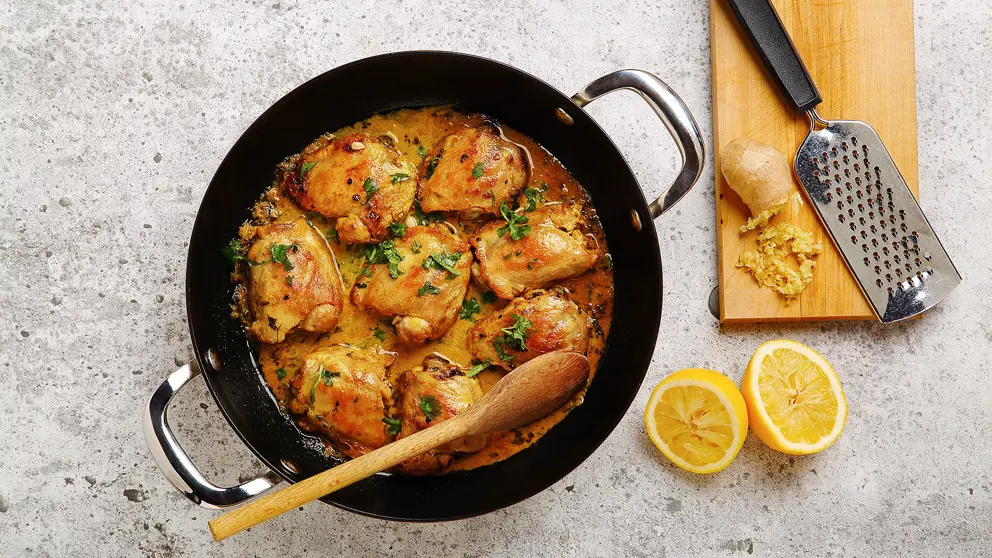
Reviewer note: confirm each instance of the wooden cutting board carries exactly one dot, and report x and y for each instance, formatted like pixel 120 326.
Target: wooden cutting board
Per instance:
pixel 861 57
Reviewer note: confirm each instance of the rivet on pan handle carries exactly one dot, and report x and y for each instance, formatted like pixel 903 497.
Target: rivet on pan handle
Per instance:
pixel 672 111
pixel 173 461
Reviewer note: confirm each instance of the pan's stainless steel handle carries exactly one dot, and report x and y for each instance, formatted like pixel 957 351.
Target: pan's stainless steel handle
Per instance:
pixel 672 111
pixel 173 461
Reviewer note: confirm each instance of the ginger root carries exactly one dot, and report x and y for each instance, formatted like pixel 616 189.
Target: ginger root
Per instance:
pixel 768 266
pixel 761 176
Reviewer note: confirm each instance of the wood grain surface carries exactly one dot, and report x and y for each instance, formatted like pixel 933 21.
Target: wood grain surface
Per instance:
pixel 861 57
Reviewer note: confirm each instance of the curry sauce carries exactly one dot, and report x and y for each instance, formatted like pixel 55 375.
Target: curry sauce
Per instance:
pixel 413 133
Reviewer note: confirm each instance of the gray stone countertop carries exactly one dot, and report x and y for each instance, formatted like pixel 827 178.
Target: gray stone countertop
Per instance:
pixel 113 118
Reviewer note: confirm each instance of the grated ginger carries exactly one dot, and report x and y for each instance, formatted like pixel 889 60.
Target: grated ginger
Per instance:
pixel 760 220
pixel 768 263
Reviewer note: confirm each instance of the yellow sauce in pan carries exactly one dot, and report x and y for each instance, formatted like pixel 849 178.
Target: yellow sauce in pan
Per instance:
pixel 409 129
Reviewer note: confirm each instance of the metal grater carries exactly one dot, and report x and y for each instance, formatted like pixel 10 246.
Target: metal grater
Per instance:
pixel 859 194
pixel 873 218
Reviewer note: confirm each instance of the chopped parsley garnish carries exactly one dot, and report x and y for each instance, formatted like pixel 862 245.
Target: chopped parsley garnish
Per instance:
pixel 399 177
pixel 327 376
pixel 501 350
pixel 415 247
pixel 393 425
pixel 305 168
pixel 289 280
pixel 478 170
pixel 444 261
pixel 281 373
pixel 514 337
pixel 370 187
pixel 430 407
pixel 233 252
pixel 477 366
pixel 470 307
pixel 323 375
pixel 432 165
pixel 425 218
pixel 488 297
pixel 531 262
pixel 533 196
pixel 279 254
pixel 514 223
pixel 428 289
pixel 378 333
pixel 421 151
pixel 384 252
pixel 398 229
pixel 332 235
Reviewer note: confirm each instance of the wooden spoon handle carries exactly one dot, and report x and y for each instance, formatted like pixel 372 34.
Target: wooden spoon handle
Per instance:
pixel 347 473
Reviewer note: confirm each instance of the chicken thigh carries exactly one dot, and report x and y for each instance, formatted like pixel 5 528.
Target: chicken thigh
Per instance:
pixel 472 172
pixel 293 281
pixel 340 392
pixel 431 393
pixel 421 279
pixel 358 179
pixel 549 249
pixel 529 326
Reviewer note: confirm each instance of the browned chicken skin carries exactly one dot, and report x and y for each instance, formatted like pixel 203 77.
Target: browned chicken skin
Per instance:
pixel 472 172
pixel 550 320
pixel 424 300
pixel 358 179
pixel 551 251
pixel 340 392
pixel 294 282
pixel 431 393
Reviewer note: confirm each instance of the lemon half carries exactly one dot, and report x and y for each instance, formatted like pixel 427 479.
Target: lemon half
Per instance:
pixel 698 419
pixel 794 398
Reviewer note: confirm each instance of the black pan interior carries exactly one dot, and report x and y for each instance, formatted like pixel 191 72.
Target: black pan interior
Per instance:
pixel 410 79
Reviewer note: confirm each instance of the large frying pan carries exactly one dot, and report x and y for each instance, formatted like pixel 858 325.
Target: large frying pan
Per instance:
pixel 348 94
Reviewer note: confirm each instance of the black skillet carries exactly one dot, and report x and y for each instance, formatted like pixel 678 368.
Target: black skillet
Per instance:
pixel 346 95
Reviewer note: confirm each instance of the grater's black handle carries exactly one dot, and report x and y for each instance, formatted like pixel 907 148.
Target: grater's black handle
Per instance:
pixel 771 40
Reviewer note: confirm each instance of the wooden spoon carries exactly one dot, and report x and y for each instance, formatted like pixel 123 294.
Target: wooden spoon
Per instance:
pixel 534 390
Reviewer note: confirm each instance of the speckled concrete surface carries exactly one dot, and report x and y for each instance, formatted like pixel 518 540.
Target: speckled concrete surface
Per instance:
pixel 113 117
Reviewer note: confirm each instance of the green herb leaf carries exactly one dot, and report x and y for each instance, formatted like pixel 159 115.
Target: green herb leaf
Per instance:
pixel 470 307
pixel 488 297
pixel 498 344
pixel 533 196
pixel 425 218
pixel 393 425
pixel 384 252
pixel 398 229
pixel 279 254
pixel 378 333
pixel 514 223
pixel 430 407
pixel 514 337
pixel 415 247
pixel 531 262
pixel 233 252
pixel 443 261
pixel 478 366
pixel 332 235
pixel 289 280
pixel 399 177
pixel 327 376
pixel 281 373
pixel 428 289
pixel 421 151
pixel 370 187
pixel 432 165
pixel 305 168
pixel 478 170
